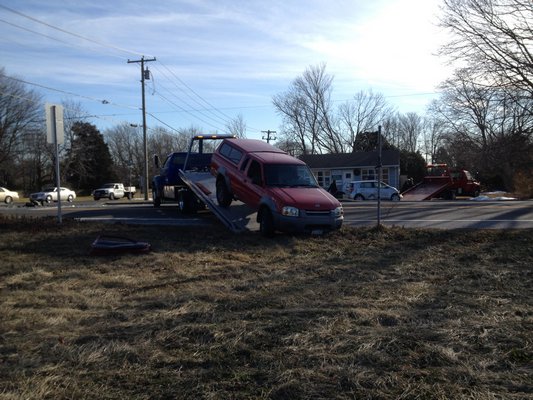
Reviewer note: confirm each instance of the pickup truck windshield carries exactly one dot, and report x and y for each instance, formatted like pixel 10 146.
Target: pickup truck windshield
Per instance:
pixel 291 175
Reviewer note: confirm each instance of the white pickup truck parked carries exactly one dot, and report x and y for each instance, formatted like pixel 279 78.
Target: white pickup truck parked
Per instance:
pixel 114 191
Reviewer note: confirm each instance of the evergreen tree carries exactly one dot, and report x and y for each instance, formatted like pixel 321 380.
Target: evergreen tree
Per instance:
pixel 89 162
pixel 413 165
pixel 368 141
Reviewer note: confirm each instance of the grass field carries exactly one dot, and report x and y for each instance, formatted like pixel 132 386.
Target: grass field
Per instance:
pixel 358 314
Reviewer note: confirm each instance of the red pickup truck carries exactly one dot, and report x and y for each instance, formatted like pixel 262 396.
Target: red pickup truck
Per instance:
pixel 280 187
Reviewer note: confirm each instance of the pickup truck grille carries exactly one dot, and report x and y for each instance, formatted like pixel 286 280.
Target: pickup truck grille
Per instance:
pixel 314 212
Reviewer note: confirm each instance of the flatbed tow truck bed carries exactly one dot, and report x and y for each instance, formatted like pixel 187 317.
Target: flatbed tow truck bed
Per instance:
pixel 423 191
pixel 238 217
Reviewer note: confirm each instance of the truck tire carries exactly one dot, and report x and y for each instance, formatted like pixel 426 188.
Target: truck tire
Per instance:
pixel 395 197
pixel 450 195
pixel 186 202
pixel 266 223
pixel 224 196
pixel 156 199
pixel 111 196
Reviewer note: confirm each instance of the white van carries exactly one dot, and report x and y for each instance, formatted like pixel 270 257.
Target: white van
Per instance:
pixel 368 190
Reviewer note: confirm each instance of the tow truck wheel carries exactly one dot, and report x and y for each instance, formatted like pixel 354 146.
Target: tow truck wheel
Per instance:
pixel 223 194
pixel 186 202
pixel 156 199
pixel 48 199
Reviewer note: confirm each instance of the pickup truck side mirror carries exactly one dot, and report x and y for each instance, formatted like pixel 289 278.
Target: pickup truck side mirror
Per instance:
pixel 156 160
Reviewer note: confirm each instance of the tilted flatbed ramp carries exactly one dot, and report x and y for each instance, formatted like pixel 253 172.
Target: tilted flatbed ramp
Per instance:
pixel 423 191
pixel 238 217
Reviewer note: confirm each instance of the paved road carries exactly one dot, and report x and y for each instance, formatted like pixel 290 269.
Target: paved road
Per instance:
pixel 432 214
pixel 443 214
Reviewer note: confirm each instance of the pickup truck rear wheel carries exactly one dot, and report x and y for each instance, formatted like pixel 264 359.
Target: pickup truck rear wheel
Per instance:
pixel 224 196
pixel 266 224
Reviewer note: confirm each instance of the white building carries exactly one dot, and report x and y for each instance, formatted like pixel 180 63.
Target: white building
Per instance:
pixel 347 167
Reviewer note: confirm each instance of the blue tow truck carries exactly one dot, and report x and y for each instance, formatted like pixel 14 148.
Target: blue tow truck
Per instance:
pixel 185 178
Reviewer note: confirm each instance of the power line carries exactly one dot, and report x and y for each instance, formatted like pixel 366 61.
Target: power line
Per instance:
pixel 68 32
pixel 197 98
pixel 103 101
pixel 188 112
pixel 225 116
pixel 82 116
pixel 192 109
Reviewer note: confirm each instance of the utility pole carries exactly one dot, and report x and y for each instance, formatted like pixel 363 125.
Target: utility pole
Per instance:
pixel 379 167
pixel 145 74
pixel 268 138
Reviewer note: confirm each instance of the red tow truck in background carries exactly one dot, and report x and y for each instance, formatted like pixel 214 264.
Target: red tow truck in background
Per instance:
pixel 442 181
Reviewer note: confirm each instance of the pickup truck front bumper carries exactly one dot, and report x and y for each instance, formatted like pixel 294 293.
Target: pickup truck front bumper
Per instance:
pixel 314 222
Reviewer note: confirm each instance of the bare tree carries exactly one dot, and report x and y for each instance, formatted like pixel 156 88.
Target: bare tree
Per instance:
pixel 72 112
pixel 433 135
pixel 410 126
pixel 364 113
pixel 237 126
pixel 487 129
pixel 306 112
pixel 494 38
pixel 465 107
pixel 21 114
pixel 126 147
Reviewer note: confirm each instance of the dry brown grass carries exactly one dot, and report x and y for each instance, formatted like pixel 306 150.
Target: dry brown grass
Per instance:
pixel 359 314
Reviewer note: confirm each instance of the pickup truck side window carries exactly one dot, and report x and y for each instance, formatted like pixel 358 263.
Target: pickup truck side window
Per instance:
pixel 254 173
pixel 245 164
pixel 231 153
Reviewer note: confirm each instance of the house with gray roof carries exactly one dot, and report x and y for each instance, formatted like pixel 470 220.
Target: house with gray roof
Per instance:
pixel 347 167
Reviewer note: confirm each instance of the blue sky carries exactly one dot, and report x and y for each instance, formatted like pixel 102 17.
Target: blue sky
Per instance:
pixel 217 59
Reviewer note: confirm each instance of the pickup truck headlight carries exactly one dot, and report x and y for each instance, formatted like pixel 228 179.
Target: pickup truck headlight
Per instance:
pixel 338 212
pixel 290 211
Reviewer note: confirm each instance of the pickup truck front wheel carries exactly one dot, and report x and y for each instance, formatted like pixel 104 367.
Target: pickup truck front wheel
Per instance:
pixel 224 196
pixel 111 196
pixel 266 223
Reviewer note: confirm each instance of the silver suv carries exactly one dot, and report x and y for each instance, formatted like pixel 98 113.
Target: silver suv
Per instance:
pixel 368 190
